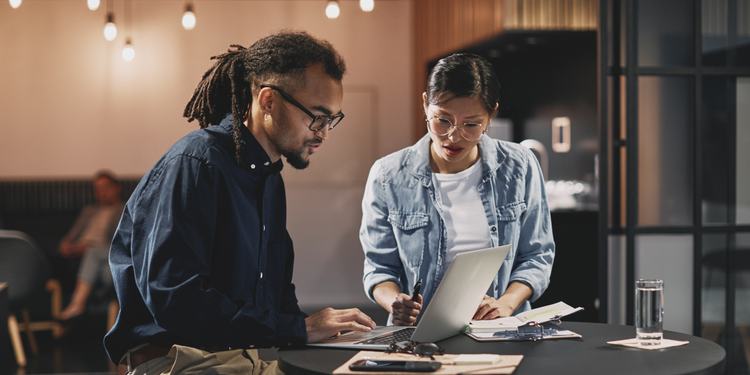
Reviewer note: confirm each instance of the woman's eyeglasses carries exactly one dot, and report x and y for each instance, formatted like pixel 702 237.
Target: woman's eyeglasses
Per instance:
pixel 470 131
pixel 426 349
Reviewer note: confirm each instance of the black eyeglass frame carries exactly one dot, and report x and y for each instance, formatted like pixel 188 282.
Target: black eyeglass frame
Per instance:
pixel 424 349
pixel 331 122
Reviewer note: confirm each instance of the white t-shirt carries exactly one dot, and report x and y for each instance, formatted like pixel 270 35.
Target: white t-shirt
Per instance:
pixel 464 214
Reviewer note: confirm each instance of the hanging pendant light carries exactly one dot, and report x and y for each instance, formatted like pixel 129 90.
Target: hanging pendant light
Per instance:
pixel 367 5
pixel 332 9
pixel 93 4
pixel 110 30
pixel 15 3
pixel 188 19
pixel 128 52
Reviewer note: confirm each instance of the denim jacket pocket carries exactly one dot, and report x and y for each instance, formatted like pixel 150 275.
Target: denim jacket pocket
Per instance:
pixel 511 211
pixel 408 228
pixel 507 221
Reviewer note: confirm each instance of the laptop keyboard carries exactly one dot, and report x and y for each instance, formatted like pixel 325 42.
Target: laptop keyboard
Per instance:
pixel 390 338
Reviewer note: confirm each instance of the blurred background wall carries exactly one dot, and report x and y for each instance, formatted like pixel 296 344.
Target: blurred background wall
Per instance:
pixel 71 105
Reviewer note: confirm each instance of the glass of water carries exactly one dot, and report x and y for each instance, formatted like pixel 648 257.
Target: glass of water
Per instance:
pixel 649 311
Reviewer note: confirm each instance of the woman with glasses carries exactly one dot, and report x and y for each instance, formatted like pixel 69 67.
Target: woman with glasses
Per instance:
pixel 456 190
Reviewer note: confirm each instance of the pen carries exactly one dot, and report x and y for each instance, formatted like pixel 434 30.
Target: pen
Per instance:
pixel 417 287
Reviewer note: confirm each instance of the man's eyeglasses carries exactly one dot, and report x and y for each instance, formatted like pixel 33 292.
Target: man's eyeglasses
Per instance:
pixel 470 131
pixel 318 121
pixel 426 349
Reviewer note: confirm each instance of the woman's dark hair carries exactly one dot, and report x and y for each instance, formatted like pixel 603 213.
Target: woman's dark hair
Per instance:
pixel 232 82
pixel 463 75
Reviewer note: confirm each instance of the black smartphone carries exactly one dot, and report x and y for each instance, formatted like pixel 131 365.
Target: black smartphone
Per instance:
pixel 389 365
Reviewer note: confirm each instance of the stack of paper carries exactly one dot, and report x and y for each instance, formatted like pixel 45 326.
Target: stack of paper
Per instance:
pixel 508 328
pixel 539 315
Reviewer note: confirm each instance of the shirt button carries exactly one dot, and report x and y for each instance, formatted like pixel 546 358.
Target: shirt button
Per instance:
pixel 261 275
pixel 264 228
pixel 252 166
pixel 494 229
pixel 267 163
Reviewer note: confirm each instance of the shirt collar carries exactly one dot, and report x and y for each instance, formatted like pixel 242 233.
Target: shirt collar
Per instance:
pixel 418 158
pixel 253 154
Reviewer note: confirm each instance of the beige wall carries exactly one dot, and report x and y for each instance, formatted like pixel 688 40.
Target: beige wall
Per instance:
pixel 70 105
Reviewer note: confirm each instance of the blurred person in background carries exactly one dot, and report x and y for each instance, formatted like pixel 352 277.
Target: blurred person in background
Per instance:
pixel 90 238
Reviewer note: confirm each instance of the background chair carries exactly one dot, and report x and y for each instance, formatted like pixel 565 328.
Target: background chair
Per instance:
pixel 24 267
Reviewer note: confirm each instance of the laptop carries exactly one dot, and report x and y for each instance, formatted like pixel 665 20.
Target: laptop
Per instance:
pixel 450 311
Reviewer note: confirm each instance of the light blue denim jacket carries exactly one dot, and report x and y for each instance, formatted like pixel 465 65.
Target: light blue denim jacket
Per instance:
pixel 403 231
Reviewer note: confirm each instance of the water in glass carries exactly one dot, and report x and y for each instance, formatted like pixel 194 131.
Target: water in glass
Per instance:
pixel 649 311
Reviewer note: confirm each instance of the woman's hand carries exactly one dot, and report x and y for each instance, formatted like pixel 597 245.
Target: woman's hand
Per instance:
pixel 516 294
pixel 404 310
pixel 491 308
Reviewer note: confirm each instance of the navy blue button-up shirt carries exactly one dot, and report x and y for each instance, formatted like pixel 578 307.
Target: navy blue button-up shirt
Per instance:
pixel 202 256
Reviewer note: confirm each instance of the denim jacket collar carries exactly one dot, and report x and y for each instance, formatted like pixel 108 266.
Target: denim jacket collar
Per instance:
pixel 417 160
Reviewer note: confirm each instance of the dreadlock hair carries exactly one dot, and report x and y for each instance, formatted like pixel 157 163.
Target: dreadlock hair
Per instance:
pixel 279 59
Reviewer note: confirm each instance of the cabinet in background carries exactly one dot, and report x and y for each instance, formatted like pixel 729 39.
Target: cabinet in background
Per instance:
pixel 575 273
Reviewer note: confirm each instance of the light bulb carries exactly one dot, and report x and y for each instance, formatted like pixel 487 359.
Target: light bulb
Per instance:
pixel 15 3
pixel 128 53
pixel 332 10
pixel 110 31
pixel 188 19
pixel 367 5
pixel 93 4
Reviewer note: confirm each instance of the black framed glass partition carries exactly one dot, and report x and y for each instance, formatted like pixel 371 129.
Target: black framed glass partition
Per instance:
pixel 675 163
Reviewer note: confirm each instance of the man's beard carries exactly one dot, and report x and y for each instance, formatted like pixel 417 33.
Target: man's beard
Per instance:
pixel 293 156
pixel 295 159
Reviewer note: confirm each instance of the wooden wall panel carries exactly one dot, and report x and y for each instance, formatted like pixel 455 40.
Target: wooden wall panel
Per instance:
pixel 443 26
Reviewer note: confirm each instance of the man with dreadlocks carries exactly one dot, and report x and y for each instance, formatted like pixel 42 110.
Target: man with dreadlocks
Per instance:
pixel 202 260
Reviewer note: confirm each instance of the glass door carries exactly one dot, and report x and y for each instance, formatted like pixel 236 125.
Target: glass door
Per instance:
pixel 675 163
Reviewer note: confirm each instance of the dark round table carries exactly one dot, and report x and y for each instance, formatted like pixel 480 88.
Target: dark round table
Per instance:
pixel 588 355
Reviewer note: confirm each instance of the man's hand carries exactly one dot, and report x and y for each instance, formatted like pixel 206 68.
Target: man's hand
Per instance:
pixel 330 322
pixel 72 249
pixel 491 308
pixel 405 310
